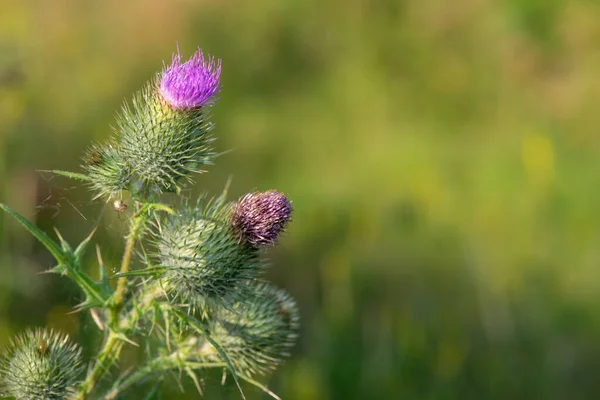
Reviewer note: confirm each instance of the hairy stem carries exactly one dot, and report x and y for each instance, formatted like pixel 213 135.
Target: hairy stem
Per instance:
pixel 106 358
pixel 137 225
pixel 113 344
pixel 154 367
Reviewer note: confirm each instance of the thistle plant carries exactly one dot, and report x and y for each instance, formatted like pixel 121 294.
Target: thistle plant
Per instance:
pixel 189 284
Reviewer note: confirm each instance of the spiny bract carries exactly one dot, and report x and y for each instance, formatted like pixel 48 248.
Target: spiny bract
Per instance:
pixel 109 175
pixel 203 260
pixel 258 331
pixel 162 136
pixel 161 145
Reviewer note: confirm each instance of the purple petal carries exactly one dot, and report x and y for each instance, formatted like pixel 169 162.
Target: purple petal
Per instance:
pixel 191 84
pixel 259 218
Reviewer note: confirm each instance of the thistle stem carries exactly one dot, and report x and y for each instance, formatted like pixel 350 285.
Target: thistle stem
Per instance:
pixel 113 344
pixel 110 352
pixel 155 367
pixel 137 226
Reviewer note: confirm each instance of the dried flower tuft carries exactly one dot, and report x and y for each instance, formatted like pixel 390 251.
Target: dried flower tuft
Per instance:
pixel 259 218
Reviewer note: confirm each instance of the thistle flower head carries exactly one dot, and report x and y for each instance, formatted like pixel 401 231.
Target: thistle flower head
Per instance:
pixel 190 84
pixel 203 260
pixel 40 364
pixel 258 331
pixel 163 135
pixel 259 218
pixel 161 145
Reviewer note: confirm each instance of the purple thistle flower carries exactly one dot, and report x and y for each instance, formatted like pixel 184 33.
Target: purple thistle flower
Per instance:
pixel 259 218
pixel 190 84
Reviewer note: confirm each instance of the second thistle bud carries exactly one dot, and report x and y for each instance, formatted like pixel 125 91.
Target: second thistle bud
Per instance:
pixel 260 218
pixel 40 364
pixel 257 332
pixel 203 259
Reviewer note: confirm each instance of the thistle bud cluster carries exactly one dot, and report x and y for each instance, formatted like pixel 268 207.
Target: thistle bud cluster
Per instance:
pixel 203 260
pixel 210 252
pixel 163 135
pixel 200 282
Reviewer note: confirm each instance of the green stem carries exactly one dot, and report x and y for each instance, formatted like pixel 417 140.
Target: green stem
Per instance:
pixel 106 357
pixel 137 226
pixel 154 367
pixel 145 303
pixel 113 344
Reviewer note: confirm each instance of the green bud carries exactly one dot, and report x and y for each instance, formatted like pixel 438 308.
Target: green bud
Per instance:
pixel 155 146
pixel 204 261
pixel 258 331
pixel 109 173
pixel 161 144
pixel 40 364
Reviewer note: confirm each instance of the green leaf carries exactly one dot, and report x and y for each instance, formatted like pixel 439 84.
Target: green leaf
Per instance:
pixel 225 358
pixel 80 250
pixel 50 244
pixel 124 338
pixel 96 293
pixel 154 393
pixel 102 272
pixel 59 269
pixel 103 283
pixel 159 207
pixel 66 247
pixel 194 378
pixel 69 174
pixel 194 323
pixel 87 305
pixel 260 386
pixel 152 271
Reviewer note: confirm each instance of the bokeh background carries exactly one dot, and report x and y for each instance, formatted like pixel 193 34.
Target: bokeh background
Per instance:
pixel 442 157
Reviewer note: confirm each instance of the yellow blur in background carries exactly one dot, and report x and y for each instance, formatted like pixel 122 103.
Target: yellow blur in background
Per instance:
pixel 441 156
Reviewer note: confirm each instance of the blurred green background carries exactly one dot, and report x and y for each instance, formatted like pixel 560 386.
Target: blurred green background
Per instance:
pixel 442 159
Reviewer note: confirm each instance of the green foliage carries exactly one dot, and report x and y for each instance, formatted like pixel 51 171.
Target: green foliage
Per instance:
pixel 200 261
pixel 442 158
pixel 69 262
